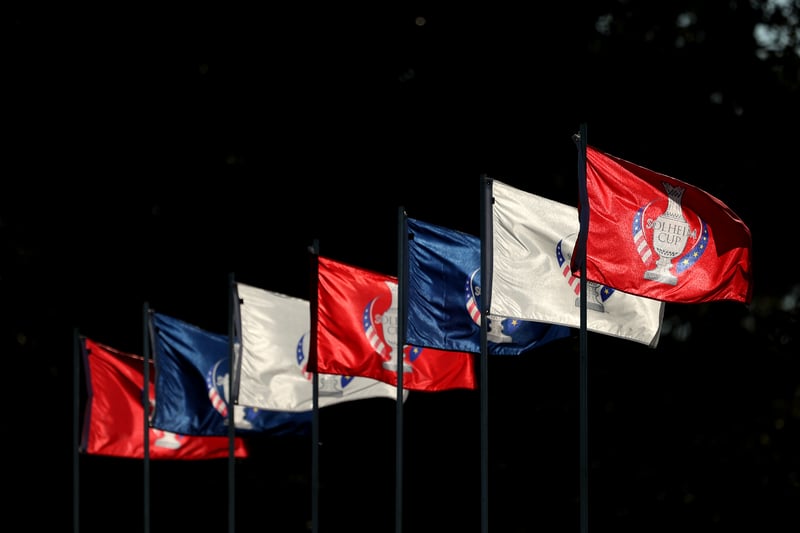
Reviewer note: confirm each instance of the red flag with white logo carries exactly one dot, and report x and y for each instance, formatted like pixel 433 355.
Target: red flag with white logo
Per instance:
pixel 656 236
pixel 356 325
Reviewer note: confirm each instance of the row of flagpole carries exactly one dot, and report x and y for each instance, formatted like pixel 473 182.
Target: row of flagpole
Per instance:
pixel 147 336
pixel 731 239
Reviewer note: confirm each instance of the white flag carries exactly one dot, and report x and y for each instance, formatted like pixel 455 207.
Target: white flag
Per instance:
pixel 533 238
pixel 275 331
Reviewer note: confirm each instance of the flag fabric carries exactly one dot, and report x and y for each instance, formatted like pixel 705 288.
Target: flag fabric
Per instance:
pixel 274 352
pixel 114 417
pixel 532 242
pixel 356 326
pixel 444 294
pixel 192 369
pixel 656 236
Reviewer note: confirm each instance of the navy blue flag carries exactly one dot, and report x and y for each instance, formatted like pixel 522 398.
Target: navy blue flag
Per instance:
pixel 443 297
pixel 192 368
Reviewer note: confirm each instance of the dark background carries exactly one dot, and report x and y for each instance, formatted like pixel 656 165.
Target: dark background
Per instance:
pixel 151 152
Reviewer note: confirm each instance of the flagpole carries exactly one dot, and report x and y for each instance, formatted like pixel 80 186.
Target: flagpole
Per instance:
pixel 402 239
pixel 76 383
pixel 581 139
pixel 231 418
pixel 313 297
pixel 146 417
pixel 486 282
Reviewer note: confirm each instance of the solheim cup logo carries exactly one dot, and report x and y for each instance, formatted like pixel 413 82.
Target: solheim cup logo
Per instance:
pixel 217 383
pixel 668 234
pixel 381 328
pixel 167 439
pixel 495 324
pixel 597 294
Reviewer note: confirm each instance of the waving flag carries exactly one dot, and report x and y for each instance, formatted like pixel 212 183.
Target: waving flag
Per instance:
pixel 114 419
pixel 357 334
pixel 273 372
pixel 443 297
pixel 532 242
pixel 192 378
pixel 659 237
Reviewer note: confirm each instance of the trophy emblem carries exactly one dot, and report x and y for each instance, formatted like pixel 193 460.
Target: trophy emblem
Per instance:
pixel 671 233
pixel 384 340
pixel 217 384
pixel 494 330
pixel 594 298
pixel 494 324
pixel 328 385
pixel 596 293
pixel 166 439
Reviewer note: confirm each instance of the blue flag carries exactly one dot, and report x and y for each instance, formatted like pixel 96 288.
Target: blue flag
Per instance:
pixel 192 368
pixel 443 297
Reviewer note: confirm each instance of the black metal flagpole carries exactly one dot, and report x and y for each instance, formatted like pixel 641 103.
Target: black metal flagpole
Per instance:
pixel 584 355
pixel 486 286
pixel 146 417
pixel 314 250
pixel 402 239
pixel 231 408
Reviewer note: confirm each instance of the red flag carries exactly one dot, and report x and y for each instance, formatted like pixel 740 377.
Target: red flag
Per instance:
pixel 356 325
pixel 114 421
pixel 656 236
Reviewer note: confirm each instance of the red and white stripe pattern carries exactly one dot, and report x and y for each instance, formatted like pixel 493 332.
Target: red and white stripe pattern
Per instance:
pixel 639 238
pixel 216 398
pixel 472 304
pixel 371 331
pixel 573 281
